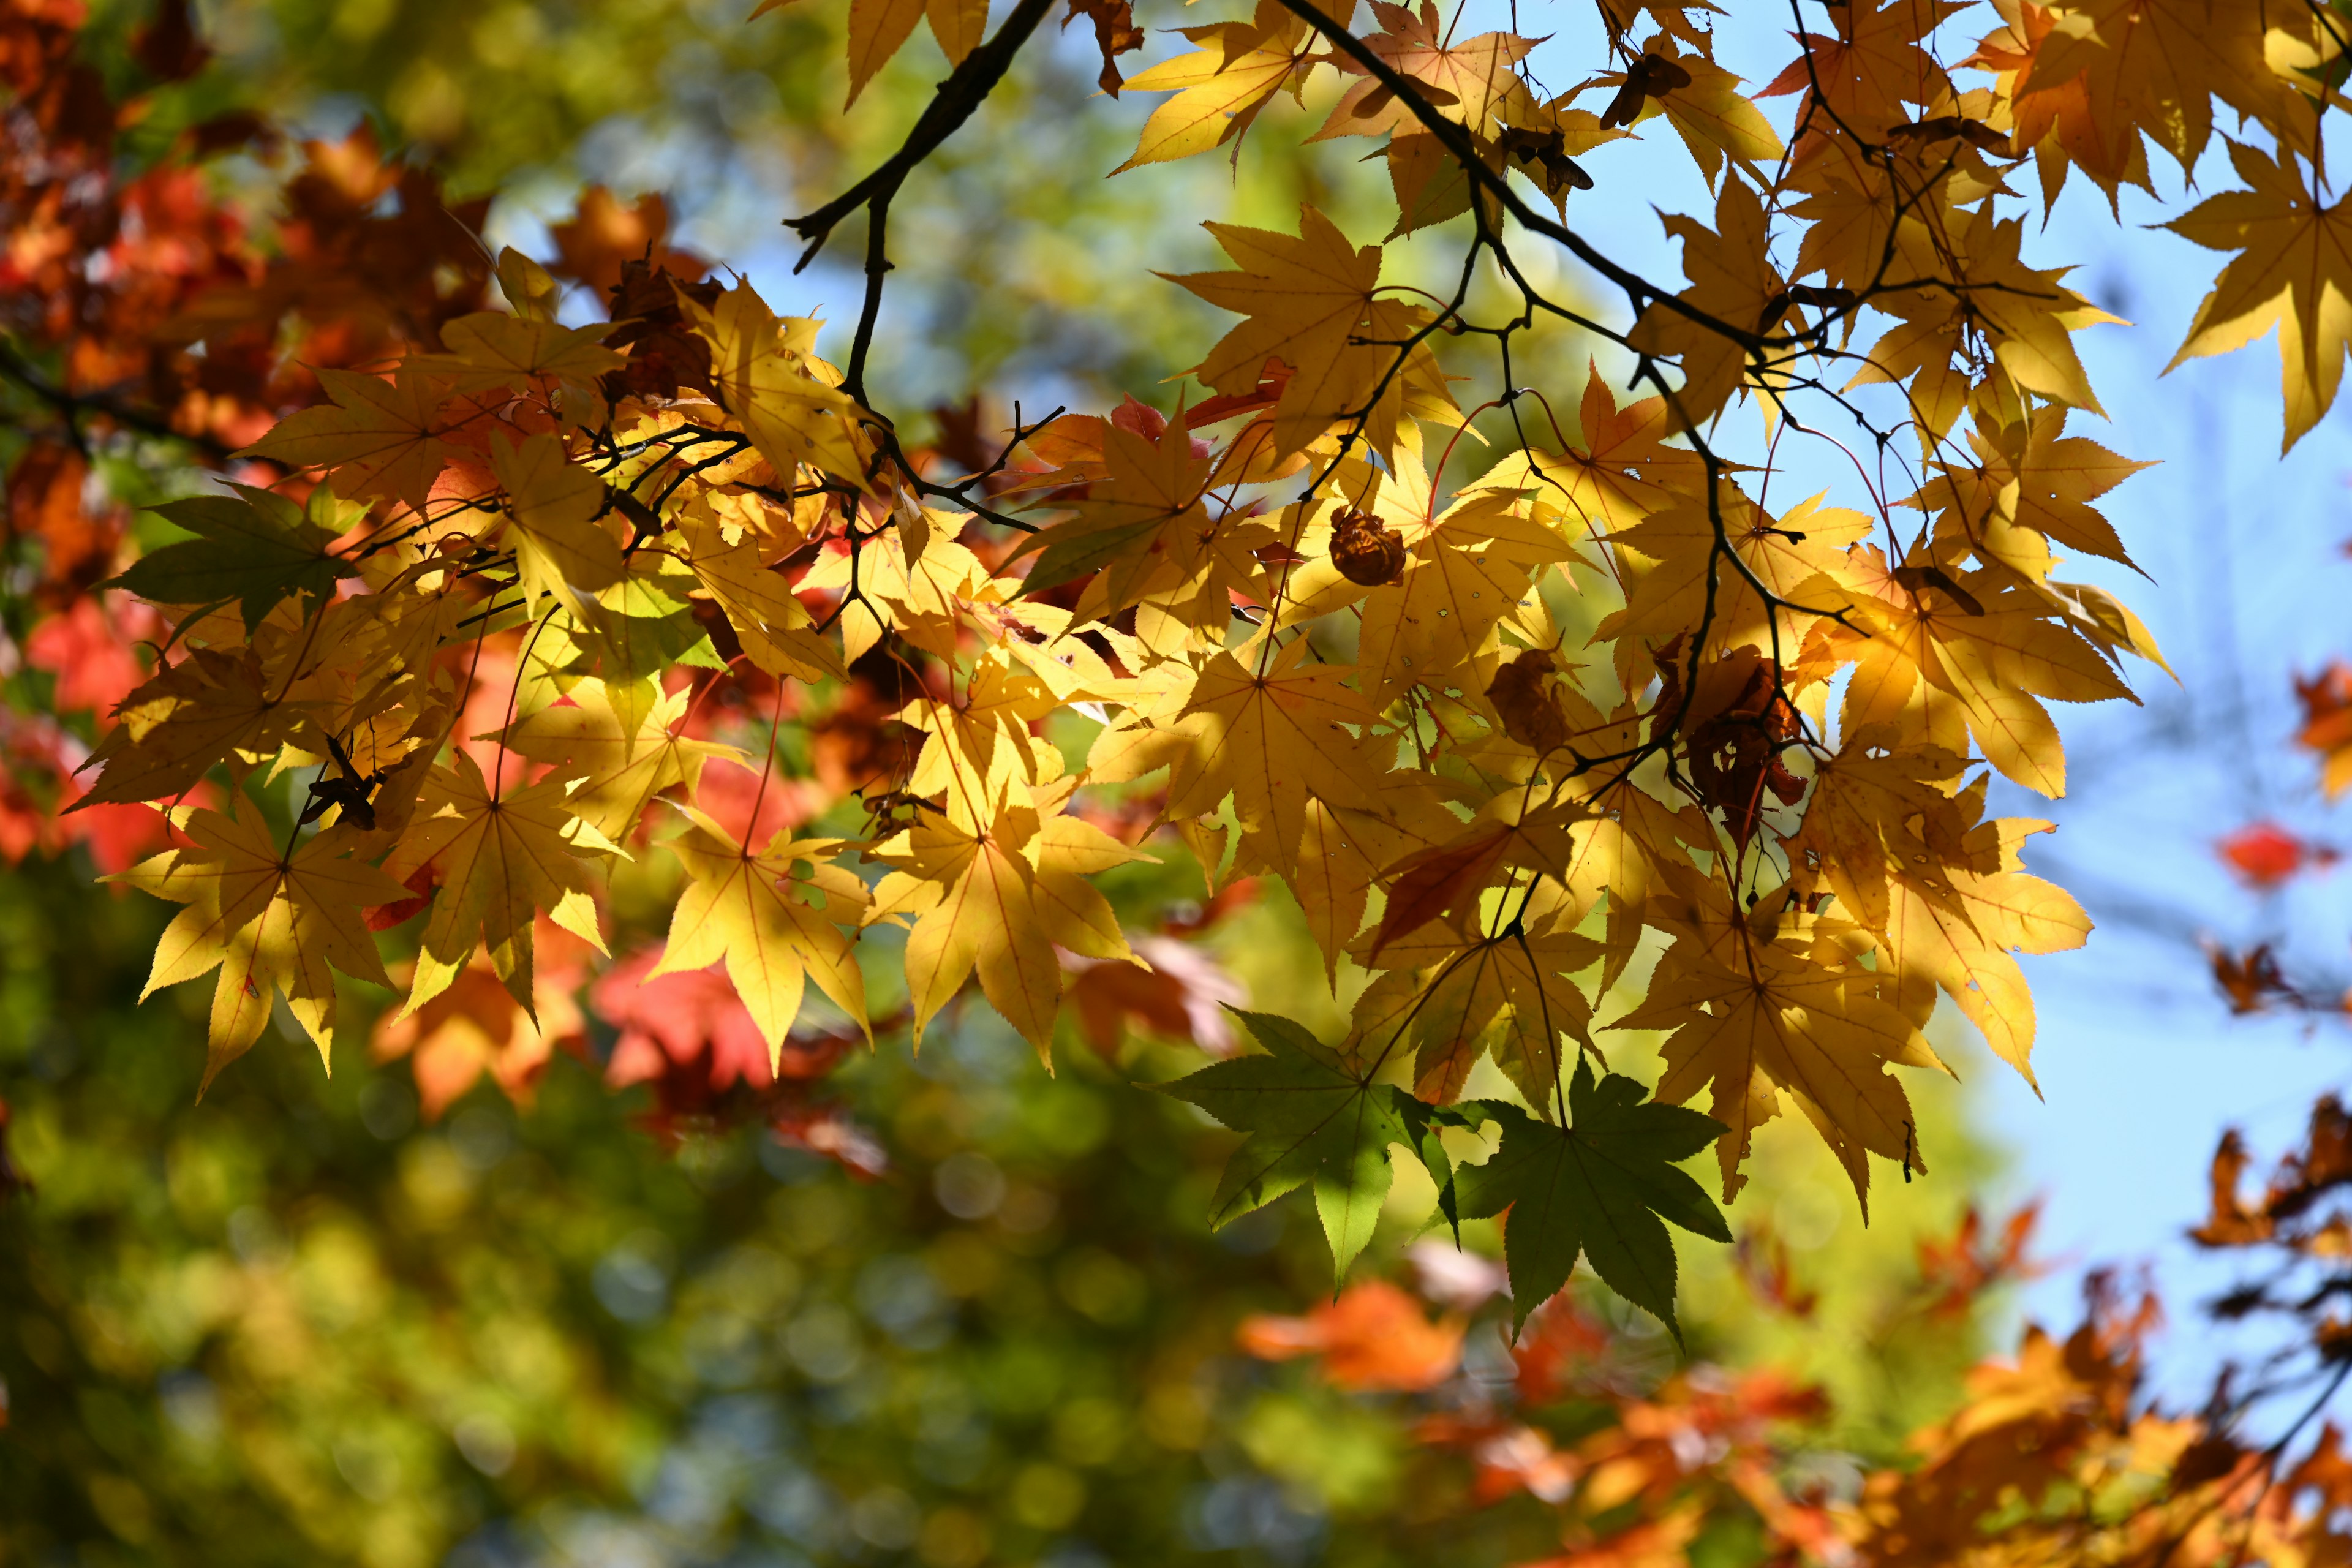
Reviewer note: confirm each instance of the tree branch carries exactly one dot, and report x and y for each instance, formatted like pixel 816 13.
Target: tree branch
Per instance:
pixel 963 91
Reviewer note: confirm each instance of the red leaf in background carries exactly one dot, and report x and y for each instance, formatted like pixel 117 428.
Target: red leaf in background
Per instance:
pixel 37 759
pixel 1181 996
pixel 694 1021
pixel 1373 1337
pixel 47 490
pixel 474 1027
pixel 736 801
pixel 2328 724
pixel 1560 1343
pixel 120 837
pixel 604 236
pixel 2264 855
pixel 90 654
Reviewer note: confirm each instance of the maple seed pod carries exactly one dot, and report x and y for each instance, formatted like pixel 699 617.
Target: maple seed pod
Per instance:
pixel 1365 552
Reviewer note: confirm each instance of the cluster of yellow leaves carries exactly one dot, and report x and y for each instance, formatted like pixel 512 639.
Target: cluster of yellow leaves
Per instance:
pixel 1314 655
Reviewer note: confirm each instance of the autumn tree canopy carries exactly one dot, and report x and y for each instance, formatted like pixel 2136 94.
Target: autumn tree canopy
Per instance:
pixel 1610 664
pixel 1502 711
pixel 1596 656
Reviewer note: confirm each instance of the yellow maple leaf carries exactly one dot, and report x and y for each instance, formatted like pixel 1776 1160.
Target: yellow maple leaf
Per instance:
pixel 1732 278
pixel 2292 270
pixel 1626 472
pixel 1306 299
pixel 1270 740
pixel 1770 1021
pixel 619 766
pixel 995 883
pixel 553 505
pixel 1455 993
pixel 2036 479
pixel 1946 650
pixel 1220 87
pixel 491 349
pixel 1675 575
pixel 212 706
pixel 502 856
pixel 788 401
pixel 378 438
pixel 1713 117
pixel 270 918
pixel 775 928
pixel 773 626
pixel 1474 82
pixel 1956 930
pixel 958 25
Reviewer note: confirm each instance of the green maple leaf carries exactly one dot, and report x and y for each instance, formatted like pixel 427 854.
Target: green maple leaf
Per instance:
pixel 1600 1188
pixel 1311 1120
pixel 254 547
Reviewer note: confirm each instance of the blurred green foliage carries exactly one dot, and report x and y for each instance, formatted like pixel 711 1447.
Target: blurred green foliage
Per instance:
pixel 292 1319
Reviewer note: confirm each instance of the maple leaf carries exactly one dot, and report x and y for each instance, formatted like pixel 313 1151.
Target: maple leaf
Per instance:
pixel 620 765
pixel 1306 299
pixel 1770 1020
pixel 552 511
pixel 1459 995
pixel 1982 649
pixel 1269 741
pixel 270 918
pixel 2292 270
pixel 1466 572
pixel 757 913
pixel 1957 929
pixel 255 548
pixel 1873 68
pixel 1712 116
pixel 501 858
pixel 767 375
pixel 1220 87
pixel 1732 278
pixel 1143 528
pixel 759 603
pixel 211 708
pixel 1311 1121
pixel 490 349
pixel 474 1028
pixel 2094 75
pixel 1675 574
pixel 1115 34
pixel 1372 1338
pixel 378 438
pixel 997 882
pixel 1860 819
pixel 1472 82
pixel 1600 1188
pixel 2045 487
pixel 1626 473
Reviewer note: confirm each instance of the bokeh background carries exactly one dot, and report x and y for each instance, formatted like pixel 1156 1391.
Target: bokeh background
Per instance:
pixel 316 1319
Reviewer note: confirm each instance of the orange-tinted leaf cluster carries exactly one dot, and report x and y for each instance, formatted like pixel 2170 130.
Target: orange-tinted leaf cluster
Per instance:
pixel 1373 1336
